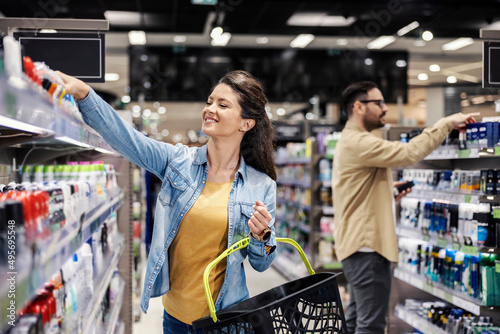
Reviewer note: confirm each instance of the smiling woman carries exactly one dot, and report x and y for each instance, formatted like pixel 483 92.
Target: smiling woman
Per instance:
pixel 234 172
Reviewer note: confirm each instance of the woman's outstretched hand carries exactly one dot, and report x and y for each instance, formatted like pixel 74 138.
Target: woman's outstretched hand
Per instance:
pixel 74 86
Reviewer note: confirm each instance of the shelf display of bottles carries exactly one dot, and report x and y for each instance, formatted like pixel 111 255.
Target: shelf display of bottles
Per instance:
pixel 434 317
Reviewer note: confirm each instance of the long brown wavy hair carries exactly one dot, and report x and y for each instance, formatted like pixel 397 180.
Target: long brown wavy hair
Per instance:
pixel 257 146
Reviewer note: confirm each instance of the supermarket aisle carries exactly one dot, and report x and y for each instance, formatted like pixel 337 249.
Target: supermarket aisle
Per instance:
pixel 151 323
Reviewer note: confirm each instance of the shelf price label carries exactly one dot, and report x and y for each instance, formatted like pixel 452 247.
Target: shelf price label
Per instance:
pixel 471 250
pixel 443 243
pixel 456 246
pixel 496 213
pixel 464 153
pixel 497 150
pixel 497 267
pixel 467 198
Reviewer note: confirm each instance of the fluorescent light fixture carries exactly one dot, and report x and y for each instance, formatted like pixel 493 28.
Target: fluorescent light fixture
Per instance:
pixel 137 37
pixel 408 28
pixel 422 76
pixel 216 32
pixel 48 31
pixel 319 20
pixel 381 42
pixel 302 40
pixel 111 77
pixel 123 18
pixel 342 41
pixel 15 124
pixel 434 68
pixel 222 40
pixel 262 40
pixel 457 44
pixel 180 39
pixel 126 99
pixel 401 63
pixel 427 36
pixel 451 79
pixel 73 141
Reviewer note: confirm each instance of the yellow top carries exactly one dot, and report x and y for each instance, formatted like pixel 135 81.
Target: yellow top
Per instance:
pixel 362 186
pixel 202 236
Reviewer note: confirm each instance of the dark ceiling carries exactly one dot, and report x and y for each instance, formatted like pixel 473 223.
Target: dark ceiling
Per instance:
pixel 445 18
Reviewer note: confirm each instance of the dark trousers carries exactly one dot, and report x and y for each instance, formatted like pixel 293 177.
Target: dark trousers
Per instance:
pixel 369 276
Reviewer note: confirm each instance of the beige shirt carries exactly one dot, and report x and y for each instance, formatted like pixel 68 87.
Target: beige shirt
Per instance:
pixel 363 186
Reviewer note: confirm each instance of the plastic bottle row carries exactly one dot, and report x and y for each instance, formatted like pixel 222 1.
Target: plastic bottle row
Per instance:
pixel 468 224
pixel 480 182
pixel 473 276
pixel 446 318
pixel 63 301
pixel 475 135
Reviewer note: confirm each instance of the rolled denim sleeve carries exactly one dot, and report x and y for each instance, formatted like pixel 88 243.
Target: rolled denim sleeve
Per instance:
pixel 145 152
pixel 262 253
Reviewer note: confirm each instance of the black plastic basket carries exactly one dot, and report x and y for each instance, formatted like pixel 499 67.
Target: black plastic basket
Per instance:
pixel 310 304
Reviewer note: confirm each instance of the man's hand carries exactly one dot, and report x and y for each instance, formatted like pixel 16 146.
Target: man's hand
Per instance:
pixel 74 86
pixel 403 193
pixel 460 120
pixel 260 219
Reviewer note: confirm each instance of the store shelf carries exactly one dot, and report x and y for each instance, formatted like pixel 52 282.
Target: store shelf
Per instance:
pixel 467 303
pixel 294 183
pixel 443 242
pixel 32 114
pixel 53 253
pixel 293 204
pixel 113 318
pixel 102 285
pixel 450 153
pixel 450 196
pixel 290 267
pixel 412 319
pixel 293 161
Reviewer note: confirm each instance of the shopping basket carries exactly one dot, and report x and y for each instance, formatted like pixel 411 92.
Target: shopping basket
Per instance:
pixel 307 305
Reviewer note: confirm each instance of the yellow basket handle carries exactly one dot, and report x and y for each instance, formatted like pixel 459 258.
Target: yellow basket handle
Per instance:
pixel 237 246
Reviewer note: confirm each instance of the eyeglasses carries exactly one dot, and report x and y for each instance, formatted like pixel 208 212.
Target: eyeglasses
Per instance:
pixel 380 103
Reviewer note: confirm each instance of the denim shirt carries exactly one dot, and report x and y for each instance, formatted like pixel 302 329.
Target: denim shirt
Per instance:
pixel 183 172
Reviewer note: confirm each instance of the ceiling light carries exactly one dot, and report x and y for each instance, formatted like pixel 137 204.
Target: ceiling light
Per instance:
pixel 123 18
pixel 126 99
pixel 342 41
pixel 165 132
pixel 408 28
pixel 137 37
pixel 401 63
pixel 136 113
pixel 180 38
pixel 381 42
pixel 281 111
pixel 222 40
pixel 319 20
pixel 302 40
pixel 451 79
pixel 457 44
pixel 427 36
pixel 368 61
pixel 48 31
pixel 156 105
pixel 111 77
pixel 146 113
pixel 216 32
pixel 136 108
pixel 434 68
pixel 423 76
pixel 162 110
pixel 262 40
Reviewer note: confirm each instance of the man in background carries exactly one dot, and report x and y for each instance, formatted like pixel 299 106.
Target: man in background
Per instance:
pixel 365 235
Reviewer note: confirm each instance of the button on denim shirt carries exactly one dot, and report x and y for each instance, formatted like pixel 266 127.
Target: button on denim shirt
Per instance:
pixel 183 172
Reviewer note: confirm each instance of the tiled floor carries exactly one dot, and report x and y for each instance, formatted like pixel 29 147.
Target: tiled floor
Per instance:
pixel 151 323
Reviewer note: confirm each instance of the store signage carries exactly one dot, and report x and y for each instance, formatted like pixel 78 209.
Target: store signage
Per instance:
pixel 491 64
pixel 288 132
pixel 78 54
